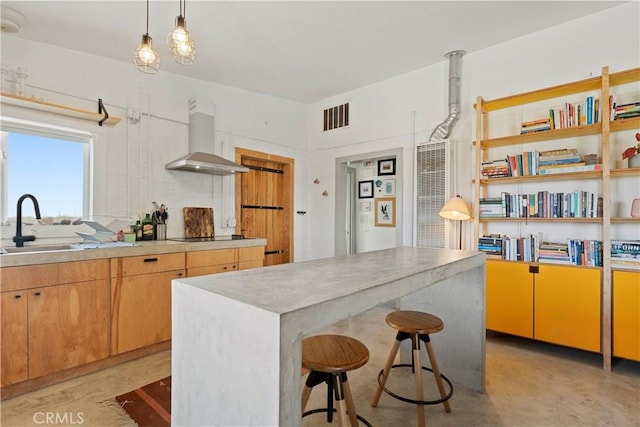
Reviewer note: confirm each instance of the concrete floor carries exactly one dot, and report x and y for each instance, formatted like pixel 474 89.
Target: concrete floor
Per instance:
pixel 528 384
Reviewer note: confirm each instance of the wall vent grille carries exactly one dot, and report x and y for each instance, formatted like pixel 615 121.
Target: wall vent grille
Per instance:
pixel 336 117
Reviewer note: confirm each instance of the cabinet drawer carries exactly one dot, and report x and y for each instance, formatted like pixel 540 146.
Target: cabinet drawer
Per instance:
pixel 82 271
pixel 254 253
pixel 626 314
pixel 209 258
pixel 28 276
pixel 133 266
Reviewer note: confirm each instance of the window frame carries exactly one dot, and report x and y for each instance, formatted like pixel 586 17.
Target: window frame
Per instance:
pixel 46 130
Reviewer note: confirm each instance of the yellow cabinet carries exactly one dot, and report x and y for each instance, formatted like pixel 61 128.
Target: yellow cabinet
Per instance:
pixel 567 306
pixel 54 317
pixel 509 298
pixel 223 260
pixel 14 345
pixel 141 299
pixel 626 314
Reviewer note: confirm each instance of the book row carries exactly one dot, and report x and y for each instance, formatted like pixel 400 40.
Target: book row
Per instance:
pixel 543 204
pixel 531 163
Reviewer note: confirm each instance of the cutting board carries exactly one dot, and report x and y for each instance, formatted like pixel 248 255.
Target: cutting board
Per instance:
pixel 198 222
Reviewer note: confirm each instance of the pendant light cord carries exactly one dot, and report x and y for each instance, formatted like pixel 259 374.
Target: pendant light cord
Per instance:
pixel 147 16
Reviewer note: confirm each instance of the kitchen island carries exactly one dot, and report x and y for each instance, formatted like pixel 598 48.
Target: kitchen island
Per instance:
pixel 236 351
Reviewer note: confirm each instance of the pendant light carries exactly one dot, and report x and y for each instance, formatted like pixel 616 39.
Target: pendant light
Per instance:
pixel 179 40
pixel 146 58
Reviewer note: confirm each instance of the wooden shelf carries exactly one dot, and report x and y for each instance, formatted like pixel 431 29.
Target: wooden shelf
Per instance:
pixel 541 178
pixel 536 219
pixel 57 109
pixel 627 220
pixel 625 172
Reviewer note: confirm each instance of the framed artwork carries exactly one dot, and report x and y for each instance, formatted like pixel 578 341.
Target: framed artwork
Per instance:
pixel 385 212
pixel 365 206
pixel 388 187
pixel 367 163
pixel 365 189
pixel 387 167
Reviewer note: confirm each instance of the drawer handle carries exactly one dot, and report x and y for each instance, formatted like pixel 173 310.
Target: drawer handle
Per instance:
pixel 225 267
pixel 37 294
pixel 151 260
pixel 18 296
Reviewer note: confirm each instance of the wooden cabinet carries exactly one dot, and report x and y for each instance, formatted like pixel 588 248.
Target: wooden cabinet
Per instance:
pixel 556 304
pixel 141 299
pixel 567 306
pixel 57 317
pixel 626 314
pixel 13 315
pixel 509 298
pixel 223 260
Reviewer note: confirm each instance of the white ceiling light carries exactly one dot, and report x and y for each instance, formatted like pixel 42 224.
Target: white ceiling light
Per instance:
pixel 146 58
pixel 11 20
pixel 179 40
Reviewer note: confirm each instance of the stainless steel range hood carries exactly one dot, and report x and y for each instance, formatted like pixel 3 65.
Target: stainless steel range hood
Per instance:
pixel 201 144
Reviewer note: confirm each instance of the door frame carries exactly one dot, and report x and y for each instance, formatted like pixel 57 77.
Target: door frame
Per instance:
pixel 288 168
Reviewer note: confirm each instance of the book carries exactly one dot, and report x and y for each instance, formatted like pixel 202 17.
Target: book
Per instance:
pixel 568 169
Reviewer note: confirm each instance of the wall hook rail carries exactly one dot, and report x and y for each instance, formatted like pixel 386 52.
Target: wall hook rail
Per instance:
pixel 102 110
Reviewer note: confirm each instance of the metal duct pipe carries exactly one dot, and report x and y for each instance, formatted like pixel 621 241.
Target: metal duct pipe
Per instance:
pixel 443 130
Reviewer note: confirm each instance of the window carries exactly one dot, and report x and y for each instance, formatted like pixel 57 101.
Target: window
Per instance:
pixel 49 162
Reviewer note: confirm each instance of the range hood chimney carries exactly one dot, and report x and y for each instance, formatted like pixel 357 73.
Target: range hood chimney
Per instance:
pixel 202 144
pixel 443 130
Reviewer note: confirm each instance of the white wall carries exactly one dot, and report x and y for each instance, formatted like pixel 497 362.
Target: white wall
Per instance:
pixel 381 114
pixel 130 157
pixel 391 114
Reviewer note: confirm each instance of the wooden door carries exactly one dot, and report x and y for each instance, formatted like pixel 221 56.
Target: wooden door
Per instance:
pixel 568 306
pixel 68 326
pixel 509 305
pixel 264 205
pixel 13 315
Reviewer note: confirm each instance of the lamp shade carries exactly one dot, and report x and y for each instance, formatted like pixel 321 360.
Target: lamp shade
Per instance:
pixel 456 209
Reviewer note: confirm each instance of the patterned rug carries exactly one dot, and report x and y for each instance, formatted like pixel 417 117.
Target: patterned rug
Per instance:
pixel 150 405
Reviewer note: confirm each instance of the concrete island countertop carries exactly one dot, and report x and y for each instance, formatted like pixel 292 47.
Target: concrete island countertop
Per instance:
pixel 140 249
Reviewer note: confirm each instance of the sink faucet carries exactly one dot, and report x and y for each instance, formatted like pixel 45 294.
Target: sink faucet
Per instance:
pixel 19 238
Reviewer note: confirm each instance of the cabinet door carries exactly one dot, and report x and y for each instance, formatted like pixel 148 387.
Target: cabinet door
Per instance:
pixel 509 298
pixel 626 314
pixel 68 326
pixel 250 257
pixel 141 310
pixel 567 306
pixel 13 315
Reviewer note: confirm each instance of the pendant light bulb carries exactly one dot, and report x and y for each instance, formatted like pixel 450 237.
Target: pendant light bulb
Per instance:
pixel 180 42
pixel 146 58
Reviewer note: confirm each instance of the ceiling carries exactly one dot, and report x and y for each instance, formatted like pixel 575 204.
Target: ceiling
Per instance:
pixel 302 51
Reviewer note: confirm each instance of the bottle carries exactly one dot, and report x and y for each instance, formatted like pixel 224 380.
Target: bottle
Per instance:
pixel 138 230
pixel 147 227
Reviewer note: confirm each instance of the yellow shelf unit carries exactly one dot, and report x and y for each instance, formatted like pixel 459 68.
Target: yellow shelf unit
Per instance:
pixel 599 279
pixel 60 109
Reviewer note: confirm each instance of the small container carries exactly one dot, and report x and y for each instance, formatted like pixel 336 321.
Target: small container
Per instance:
pixel 130 237
pixel 161 231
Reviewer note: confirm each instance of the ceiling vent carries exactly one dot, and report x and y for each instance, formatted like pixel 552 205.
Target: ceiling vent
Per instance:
pixel 336 117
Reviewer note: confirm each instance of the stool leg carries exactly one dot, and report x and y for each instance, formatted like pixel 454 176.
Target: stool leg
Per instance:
pixel 351 407
pixel 385 372
pixel 343 420
pixel 415 341
pixel 436 373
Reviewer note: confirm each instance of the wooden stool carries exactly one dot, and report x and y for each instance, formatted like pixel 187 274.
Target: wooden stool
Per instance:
pixel 329 357
pixel 417 326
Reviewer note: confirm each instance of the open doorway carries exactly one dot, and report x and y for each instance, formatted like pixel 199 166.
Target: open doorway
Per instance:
pixel 361 187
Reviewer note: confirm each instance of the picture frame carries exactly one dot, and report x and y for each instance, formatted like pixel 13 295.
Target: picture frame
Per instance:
pixel 388 187
pixel 387 167
pixel 365 189
pixel 385 212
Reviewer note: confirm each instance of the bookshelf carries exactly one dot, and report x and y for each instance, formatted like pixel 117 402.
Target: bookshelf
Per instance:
pixel 497 137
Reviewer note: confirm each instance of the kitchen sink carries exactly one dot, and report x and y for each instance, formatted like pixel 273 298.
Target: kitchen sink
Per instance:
pixel 33 249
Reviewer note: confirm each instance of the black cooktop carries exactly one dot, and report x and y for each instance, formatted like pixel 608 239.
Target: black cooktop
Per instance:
pixel 210 239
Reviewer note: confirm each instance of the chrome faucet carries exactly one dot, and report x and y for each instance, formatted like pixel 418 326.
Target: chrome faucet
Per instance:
pixel 19 238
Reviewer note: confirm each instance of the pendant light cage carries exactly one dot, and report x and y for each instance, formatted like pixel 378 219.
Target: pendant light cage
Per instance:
pixel 180 42
pixel 146 57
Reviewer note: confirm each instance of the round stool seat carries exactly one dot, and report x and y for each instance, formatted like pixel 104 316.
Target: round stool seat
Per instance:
pixel 333 353
pixel 414 322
